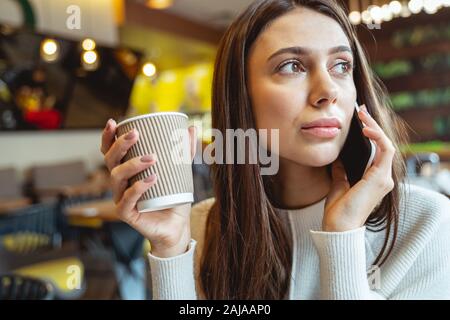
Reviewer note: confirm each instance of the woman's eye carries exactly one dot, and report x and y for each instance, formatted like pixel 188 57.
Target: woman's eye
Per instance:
pixel 343 67
pixel 291 67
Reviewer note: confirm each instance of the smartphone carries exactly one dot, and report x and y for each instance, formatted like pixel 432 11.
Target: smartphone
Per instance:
pixel 358 152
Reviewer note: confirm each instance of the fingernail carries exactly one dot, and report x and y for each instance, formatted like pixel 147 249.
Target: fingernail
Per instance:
pixel 150 178
pixel 147 158
pixel 108 124
pixel 130 135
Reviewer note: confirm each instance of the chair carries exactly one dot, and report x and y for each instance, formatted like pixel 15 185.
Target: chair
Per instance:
pixel 49 181
pixel 11 197
pixel 9 185
pixel 30 242
pixel 16 287
pixel 30 229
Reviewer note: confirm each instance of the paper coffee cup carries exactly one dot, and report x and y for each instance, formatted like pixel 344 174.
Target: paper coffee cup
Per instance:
pixel 166 135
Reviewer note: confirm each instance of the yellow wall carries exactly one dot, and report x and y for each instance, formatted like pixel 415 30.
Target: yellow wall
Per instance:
pixel 184 89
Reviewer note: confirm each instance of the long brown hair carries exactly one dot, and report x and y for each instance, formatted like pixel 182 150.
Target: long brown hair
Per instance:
pixel 247 252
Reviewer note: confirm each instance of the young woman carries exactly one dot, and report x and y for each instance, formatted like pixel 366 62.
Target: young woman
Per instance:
pixel 302 233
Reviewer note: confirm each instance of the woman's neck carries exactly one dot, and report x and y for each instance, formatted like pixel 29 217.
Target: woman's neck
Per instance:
pixel 296 186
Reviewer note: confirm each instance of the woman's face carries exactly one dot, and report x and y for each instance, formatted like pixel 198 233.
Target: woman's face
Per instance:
pixel 300 70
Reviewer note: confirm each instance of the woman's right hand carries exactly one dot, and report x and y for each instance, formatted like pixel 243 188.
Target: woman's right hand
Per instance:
pixel 167 230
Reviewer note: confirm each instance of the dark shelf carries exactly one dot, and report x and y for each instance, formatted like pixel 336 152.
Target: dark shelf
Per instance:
pixel 399 24
pixel 384 51
pixel 418 81
pixel 421 121
pixel 379 45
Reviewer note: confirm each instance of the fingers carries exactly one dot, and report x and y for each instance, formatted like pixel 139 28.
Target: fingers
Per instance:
pixel 367 119
pixel 385 148
pixel 375 130
pixel 193 140
pixel 376 133
pixel 126 206
pixel 122 173
pixel 108 136
pixel 363 107
pixel 120 148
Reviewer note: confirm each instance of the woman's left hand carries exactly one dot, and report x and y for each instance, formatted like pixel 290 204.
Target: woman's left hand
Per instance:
pixel 348 208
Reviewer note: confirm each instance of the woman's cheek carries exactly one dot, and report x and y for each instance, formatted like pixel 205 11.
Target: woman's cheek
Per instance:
pixel 278 106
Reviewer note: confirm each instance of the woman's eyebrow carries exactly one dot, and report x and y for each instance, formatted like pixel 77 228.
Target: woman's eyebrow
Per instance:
pixel 305 51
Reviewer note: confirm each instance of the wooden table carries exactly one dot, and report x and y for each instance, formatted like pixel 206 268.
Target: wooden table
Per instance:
pixel 104 210
pixel 86 189
pixel 9 205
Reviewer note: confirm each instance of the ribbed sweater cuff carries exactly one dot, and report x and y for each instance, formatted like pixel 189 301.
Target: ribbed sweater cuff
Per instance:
pixel 173 278
pixel 342 264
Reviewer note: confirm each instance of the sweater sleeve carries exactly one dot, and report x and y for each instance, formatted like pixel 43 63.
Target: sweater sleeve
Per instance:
pixel 342 256
pixel 419 268
pixel 428 275
pixel 176 278
pixel 173 278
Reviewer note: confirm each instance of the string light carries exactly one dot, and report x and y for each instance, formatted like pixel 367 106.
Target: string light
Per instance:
pixel 355 14
pixel 88 44
pixel 366 18
pixel 395 7
pixel 49 50
pixel 159 4
pixel 90 60
pixel 415 6
pixel 431 6
pixel 405 11
pixel 149 69
pixel 376 14
pixel 355 17
pixel 386 12
pixel 90 57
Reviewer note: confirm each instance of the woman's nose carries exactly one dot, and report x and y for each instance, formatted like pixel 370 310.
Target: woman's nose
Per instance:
pixel 325 101
pixel 323 91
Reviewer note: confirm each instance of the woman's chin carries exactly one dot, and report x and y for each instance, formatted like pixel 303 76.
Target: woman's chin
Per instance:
pixel 318 158
pixel 321 163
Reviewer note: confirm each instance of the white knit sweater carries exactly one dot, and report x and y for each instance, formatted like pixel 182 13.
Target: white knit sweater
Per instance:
pixel 338 265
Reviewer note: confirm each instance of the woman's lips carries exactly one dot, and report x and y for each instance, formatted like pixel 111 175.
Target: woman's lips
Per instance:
pixel 322 132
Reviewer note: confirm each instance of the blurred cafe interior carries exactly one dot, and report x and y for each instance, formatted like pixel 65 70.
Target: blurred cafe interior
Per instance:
pixel 67 66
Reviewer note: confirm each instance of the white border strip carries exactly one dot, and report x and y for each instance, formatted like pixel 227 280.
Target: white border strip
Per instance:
pixel 165 202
